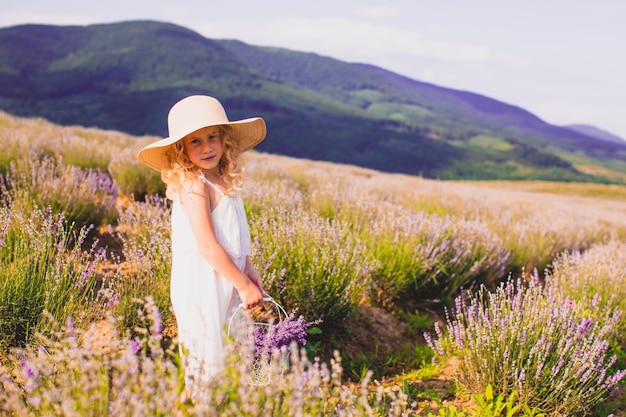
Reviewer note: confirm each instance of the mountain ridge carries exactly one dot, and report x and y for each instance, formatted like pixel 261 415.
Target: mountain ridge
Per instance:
pixel 126 75
pixel 596 132
pixel 481 103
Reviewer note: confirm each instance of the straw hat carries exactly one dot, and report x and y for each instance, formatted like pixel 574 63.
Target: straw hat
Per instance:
pixel 194 113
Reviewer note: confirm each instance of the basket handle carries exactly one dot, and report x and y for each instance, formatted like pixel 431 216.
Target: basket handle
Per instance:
pixel 282 314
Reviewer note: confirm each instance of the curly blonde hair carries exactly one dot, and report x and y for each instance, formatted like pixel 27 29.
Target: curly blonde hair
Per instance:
pixel 182 169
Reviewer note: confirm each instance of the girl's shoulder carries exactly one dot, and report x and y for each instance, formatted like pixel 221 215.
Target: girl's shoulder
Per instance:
pixel 192 186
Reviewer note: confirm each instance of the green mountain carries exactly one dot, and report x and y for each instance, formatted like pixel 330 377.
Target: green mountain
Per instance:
pixel 125 76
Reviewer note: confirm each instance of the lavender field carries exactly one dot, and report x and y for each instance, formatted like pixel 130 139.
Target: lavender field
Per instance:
pixel 508 298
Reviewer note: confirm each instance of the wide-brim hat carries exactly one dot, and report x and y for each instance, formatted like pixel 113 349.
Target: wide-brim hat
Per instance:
pixel 197 112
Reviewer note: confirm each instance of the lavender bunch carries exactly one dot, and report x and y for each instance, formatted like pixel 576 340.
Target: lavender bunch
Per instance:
pixel 281 335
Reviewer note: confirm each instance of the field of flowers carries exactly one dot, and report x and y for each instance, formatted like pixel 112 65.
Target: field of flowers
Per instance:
pixel 513 293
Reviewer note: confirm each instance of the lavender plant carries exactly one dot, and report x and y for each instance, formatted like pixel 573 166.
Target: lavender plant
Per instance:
pixel 537 238
pixel 419 255
pixel 308 388
pixel 86 197
pixel 86 148
pixel 546 348
pixel 267 185
pixel 536 221
pixel 44 267
pixel 596 276
pixel 312 265
pixel 75 372
pixel 430 256
pixel 144 233
pixel 134 179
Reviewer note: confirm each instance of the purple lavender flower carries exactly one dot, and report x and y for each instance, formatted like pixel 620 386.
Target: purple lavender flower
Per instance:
pixel 28 371
pixel 69 324
pixel 157 326
pixel 281 335
pixel 113 300
pixel 80 282
pixel 31 376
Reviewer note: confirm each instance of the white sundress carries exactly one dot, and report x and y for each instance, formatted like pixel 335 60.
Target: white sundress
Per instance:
pixel 202 299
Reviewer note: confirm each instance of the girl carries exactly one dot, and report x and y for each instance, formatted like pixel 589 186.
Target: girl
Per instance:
pixel 211 269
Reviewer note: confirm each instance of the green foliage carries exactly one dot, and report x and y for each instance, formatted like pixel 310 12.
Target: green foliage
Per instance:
pixel 489 405
pixel 416 322
pixel 534 157
pixel 410 355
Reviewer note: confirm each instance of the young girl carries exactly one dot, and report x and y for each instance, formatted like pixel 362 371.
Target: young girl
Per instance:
pixel 211 269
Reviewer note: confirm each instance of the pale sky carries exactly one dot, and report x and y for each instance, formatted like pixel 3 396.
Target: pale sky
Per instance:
pixel 563 60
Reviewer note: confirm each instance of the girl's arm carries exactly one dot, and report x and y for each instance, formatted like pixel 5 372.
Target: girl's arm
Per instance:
pixel 196 205
pixel 253 274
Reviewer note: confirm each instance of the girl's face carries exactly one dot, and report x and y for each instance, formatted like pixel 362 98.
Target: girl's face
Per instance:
pixel 204 148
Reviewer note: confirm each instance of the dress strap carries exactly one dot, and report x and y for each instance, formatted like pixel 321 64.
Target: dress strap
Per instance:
pixel 205 180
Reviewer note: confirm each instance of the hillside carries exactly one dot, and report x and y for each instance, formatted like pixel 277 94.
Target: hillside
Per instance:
pixel 125 76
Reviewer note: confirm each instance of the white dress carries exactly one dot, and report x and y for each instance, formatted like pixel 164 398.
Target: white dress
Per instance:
pixel 202 299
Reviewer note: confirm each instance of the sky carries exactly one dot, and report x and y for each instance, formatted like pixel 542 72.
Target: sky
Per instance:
pixel 562 60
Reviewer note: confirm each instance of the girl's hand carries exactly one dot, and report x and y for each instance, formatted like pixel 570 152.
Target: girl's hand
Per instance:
pixel 250 295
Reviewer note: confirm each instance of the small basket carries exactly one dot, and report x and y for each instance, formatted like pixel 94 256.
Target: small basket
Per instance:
pixel 260 367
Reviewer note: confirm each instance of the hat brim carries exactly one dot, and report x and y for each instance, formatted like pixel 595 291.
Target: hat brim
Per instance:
pixel 246 134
